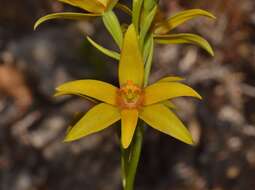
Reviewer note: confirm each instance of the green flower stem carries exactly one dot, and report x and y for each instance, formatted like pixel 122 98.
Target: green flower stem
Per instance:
pixel 124 161
pixel 149 60
pixel 134 156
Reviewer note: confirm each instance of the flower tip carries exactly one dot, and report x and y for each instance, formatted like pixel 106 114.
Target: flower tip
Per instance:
pixel 199 97
pixel 37 23
pixel 213 17
pixel 68 139
pixel 125 145
pixel 65 141
pixel 35 26
pixel 57 94
pixel 192 142
pixel 211 52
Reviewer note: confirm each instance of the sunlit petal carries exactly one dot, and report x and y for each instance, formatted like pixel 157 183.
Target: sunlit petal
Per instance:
pixel 131 63
pixel 163 119
pixel 93 6
pixel 57 94
pixel 129 118
pixel 96 119
pixel 93 88
pixel 161 91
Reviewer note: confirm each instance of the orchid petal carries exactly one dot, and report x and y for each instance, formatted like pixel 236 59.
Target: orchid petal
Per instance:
pixel 129 118
pixel 162 91
pixel 163 119
pixel 96 119
pixel 92 88
pixel 131 65
pixel 93 6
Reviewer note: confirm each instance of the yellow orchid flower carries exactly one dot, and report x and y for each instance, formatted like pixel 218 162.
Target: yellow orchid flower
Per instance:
pixel 94 8
pixel 131 100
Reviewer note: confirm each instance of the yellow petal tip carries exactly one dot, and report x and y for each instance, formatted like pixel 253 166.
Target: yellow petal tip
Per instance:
pixel 66 140
pixel 199 97
pixel 125 146
pixel 192 142
pixel 57 94
pixel 69 138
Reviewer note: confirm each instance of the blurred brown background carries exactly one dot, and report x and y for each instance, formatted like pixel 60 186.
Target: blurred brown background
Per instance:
pixel 33 124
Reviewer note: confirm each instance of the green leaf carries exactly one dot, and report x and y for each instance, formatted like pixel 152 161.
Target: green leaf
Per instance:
pixel 66 15
pixel 105 51
pixel 136 13
pixel 148 56
pixel 112 24
pixel 178 19
pixel 147 24
pixel 185 38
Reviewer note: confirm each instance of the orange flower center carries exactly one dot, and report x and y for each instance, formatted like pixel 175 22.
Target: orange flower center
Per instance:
pixel 130 96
